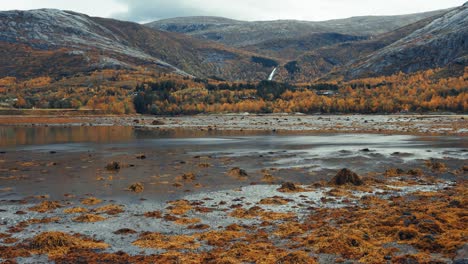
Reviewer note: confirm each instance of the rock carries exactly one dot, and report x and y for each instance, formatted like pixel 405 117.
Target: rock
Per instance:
pixel 462 255
pixel 345 176
pixel 407 234
pixel 136 187
pixel 141 156
pixel 415 172
pixel 125 231
pixel 365 150
pixel 157 123
pixel 113 166
pixel 188 176
pixel 238 172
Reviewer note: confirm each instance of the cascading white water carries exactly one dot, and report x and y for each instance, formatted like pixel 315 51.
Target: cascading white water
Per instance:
pixel 272 74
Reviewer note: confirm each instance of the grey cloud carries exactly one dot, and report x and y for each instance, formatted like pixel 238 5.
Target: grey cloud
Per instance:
pixel 149 10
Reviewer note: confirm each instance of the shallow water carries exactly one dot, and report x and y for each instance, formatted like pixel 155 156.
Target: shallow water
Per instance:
pixel 59 160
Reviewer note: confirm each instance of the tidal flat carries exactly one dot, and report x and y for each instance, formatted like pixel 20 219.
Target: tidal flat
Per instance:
pixel 158 190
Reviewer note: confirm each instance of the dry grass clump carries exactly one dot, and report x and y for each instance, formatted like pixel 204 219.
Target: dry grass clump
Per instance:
pixel 113 166
pixel 340 192
pixel 289 229
pixel 289 187
pixel 91 201
pixel 89 218
pixel 45 206
pixel 268 178
pixel 187 221
pixel 276 200
pixel 238 173
pixel 394 172
pixel 160 241
pixel 220 238
pixel 179 207
pixel 436 165
pixel 136 187
pixel 430 222
pixel 258 212
pixel 346 176
pixel 111 209
pixel 154 214
pixel 188 177
pixel 258 252
pixel 204 165
pixel 75 210
pixel 298 257
pixel 59 243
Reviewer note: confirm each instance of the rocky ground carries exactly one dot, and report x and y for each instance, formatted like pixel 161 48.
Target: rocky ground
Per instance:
pixel 392 124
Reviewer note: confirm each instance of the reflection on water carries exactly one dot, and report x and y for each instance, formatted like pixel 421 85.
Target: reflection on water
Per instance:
pixel 14 136
pixel 11 136
pixel 55 160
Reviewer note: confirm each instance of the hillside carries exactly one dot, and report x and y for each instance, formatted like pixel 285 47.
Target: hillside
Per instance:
pixel 441 43
pixel 55 42
pixel 243 33
pixel 320 62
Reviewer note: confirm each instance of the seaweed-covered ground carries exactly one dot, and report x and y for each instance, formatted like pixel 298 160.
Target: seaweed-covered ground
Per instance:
pixel 141 197
pixel 396 217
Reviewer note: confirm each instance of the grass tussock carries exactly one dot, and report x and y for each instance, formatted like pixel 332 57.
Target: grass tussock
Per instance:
pixel 45 206
pixel 59 243
pixel 89 218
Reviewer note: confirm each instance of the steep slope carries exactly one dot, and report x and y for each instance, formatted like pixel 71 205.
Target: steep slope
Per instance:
pixel 442 42
pixel 76 42
pixel 320 62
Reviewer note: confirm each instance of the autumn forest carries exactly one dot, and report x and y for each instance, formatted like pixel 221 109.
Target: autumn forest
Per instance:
pixel 147 92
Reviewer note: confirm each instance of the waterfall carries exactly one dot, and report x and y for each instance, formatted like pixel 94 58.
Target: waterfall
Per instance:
pixel 272 74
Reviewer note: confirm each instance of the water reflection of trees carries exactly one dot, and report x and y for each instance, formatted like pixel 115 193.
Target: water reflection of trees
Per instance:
pixel 12 136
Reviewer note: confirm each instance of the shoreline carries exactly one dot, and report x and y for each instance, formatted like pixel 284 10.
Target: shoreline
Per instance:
pixel 431 125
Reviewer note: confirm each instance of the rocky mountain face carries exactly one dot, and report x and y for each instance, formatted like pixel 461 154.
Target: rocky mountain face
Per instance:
pixel 440 43
pixel 62 43
pixel 353 48
pixel 242 33
pixel 33 42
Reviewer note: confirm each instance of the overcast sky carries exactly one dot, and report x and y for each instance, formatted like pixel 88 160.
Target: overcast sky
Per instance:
pixel 149 10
